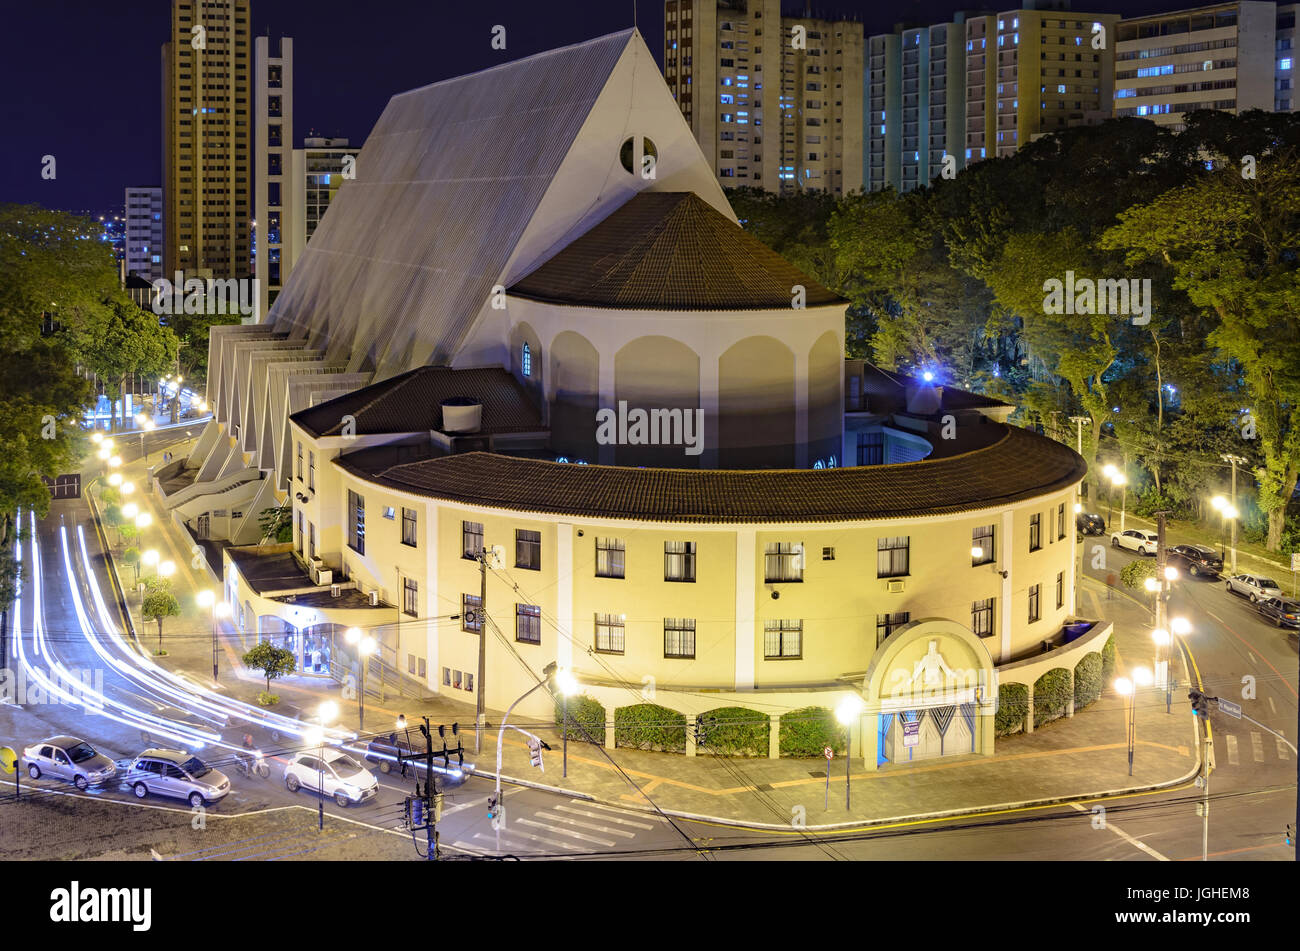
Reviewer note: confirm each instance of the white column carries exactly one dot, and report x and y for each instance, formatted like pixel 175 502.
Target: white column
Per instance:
pixel 709 403
pixel 605 454
pixel 801 460
pixel 564 593
pixel 1008 546
pixel 746 572
pixel 431 604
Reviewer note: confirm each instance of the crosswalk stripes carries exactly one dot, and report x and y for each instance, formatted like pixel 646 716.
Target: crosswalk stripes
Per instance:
pixel 575 826
pixel 1283 752
pixel 1232 749
pixel 1257 746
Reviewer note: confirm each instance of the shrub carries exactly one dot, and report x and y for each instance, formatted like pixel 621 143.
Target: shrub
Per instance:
pixel 267 699
pixel 1108 660
pixel 1135 573
pixel 648 726
pixel 809 730
pixel 109 496
pixel 736 731
pixel 1051 696
pixel 586 720
pixel 1087 680
pixel 1013 704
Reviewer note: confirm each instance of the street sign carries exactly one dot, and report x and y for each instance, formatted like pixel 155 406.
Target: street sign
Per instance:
pixel 828 752
pixel 1230 708
pixel 912 733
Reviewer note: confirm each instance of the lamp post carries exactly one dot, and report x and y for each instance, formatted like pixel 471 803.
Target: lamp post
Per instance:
pixel 208 598
pixel 1235 461
pixel 1117 480
pixel 1229 515
pixel 567 684
pixel 1163 652
pixel 146 425
pixel 548 677
pixel 850 709
pixel 316 737
pixel 365 646
pixel 1128 689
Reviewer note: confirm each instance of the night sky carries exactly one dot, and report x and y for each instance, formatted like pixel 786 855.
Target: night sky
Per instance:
pixel 81 79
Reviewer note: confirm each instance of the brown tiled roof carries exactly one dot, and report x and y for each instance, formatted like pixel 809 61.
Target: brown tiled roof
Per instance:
pixel 412 402
pixel 1016 464
pixel 669 251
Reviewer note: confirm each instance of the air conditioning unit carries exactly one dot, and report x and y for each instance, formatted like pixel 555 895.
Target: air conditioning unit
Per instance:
pixel 335 589
pixel 320 575
pixel 374 596
pixel 895 587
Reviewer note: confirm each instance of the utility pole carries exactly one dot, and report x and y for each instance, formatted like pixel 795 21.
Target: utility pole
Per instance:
pixel 1236 461
pixel 479 702
pixel 424 809
pixel 1164 652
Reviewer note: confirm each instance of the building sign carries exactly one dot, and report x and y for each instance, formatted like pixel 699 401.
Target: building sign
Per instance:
pixel 912 733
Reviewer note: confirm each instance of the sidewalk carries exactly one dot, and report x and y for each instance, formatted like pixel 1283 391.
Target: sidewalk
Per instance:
pixel 1069 759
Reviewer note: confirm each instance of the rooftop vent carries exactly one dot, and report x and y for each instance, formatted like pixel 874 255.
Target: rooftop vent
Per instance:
pixel 461 414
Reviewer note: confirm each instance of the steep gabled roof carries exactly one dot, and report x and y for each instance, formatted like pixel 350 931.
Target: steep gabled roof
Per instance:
pixel 669 251
pixel 412 402
pixel 447 182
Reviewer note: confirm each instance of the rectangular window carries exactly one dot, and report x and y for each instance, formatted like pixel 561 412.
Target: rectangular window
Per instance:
pixel 610 557
pixel 410 597
pixel 298 547
pixel 410 523
pixel 783 639
pixel 1034 611
pixel 528 623
pixel 1035 532
pixel 982 537
pixel 892 556
pixel 783 562
pixel 1060 589
pixel 299 462
pixel 679 637
pixel 887 624
pixel 423 669
pixel 471 614
pixel 679 561
pixel 528 550
pixel 981 617
pixel 871 448
pixel 311 470
pixel 609 633
pixel 311 540
pixel 1060 521
pixel 410 663
pixel 471 539
pixel 356 522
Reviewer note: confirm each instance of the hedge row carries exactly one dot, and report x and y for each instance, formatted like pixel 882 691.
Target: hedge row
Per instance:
pixel 809 730
pixel 1108 660
pixel 1051 696
pixel 648 726
pixel 1087 680
pixel 1013 705
pixel 586 720
pixel 735 731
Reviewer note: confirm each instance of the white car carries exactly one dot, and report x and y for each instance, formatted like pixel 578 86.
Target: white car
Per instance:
pixel 333 773
pixel 1255 587
pixel 1135 539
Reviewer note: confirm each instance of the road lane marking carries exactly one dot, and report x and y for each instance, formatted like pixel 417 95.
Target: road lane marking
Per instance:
pixel 1136 843
pixel 480 801
pixel 1232 748
pixel 1272 706
pixel 623 812
pixel 585 825
pixel 607 843
pixel 1282 752
pixel 508 845
pixel 1252 657
pixel 1257 746
pixel 596 815
pixel 553 843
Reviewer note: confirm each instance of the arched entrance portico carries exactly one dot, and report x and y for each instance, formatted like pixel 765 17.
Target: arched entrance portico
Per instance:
pixel 929 692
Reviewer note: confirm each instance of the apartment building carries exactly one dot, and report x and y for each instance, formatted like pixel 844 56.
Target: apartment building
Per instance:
pixel 1229 56
pixel 144 233
pixel 206 139
pixel 273 161
pixel 799 87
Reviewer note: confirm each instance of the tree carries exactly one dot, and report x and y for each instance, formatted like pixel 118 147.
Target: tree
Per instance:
pixel 273 662
pixel 159 603
pixel 1137 571
pixel 276 523
pixel 1230 243
pixel 122 340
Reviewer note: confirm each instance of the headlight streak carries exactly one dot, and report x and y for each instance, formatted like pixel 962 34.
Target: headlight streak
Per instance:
pixel 186 692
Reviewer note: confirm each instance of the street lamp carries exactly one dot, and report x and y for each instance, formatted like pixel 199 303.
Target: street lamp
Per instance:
pixel 365 645
pixel 1164 655
pixel 143 520
pixel 207 598
pixel 115 479
pixel 1128 688
pixel 850 709
pixel 146 425
pixel 1117 480
pixel 567 684
pixel 127 488
pixel 130 510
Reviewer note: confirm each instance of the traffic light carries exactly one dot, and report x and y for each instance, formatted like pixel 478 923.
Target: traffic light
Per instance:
pixel 1290 834
pixel 1200 703
pixel 535 752
pixel 455 729
pixel 442 730
pixel 492 806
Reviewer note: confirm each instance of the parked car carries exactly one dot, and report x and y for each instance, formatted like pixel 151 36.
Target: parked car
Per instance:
pixel 383 752
pixel 1136 539
pixel 178 775
pixel 1089 523
pixel 1284 612
pixel 1255 587
pixel 1196 560
pixel 66 757
pixel 331 773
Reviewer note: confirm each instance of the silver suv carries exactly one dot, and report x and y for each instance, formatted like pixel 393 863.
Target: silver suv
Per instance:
pixel 176 774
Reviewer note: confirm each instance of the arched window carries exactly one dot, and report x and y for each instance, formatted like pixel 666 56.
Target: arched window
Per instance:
pixel 526 359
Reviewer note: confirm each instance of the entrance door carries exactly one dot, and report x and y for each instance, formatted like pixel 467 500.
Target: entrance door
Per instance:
pixel 203 525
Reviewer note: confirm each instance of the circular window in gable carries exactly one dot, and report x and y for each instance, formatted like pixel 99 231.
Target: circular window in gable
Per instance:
pixel 648 158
